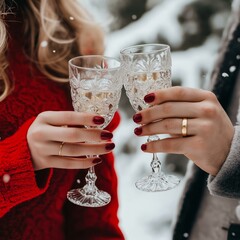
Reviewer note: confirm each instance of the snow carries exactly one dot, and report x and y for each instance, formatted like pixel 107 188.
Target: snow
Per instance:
pixel 161 19
pixel 188 64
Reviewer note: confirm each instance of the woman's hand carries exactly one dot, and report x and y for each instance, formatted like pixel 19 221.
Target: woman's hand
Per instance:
pixel 58 140
pixel 209 130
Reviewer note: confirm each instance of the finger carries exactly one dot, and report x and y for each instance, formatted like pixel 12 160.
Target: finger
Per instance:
pixel 74 135
pixel 206 109
pixel 169 145
pixel 178 94
pixel 62 118
pixel 168 110
pixel 73 163
pixel 172 126
pixel 79 149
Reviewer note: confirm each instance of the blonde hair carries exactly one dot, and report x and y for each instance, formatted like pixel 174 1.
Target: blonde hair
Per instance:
pixel 55 29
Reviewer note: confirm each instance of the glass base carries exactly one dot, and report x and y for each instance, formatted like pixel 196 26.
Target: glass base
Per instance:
pixel 80 197
pixel 157 182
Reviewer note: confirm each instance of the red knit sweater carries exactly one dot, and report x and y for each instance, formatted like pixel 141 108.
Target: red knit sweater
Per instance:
pixel 33 204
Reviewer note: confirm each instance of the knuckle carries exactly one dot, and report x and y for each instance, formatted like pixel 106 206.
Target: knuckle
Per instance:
pixel 72 134
pixel 149 115
pixel 147 129
pixel 167 146
pixel 166 125
pixel 74 150
pixel 68 116
pixel 152 147
pixel 35 133
pixel 180 92
pixel 209 110
pixel 210 95
pixel 166 108
pixel 43 116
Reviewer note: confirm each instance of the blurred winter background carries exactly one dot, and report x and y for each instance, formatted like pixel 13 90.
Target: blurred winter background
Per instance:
pixel 193 29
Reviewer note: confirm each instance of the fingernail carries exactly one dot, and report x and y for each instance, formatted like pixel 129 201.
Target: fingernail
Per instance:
pixel 138 131
pixel 97 160
pixel 144 147
pixel 110 146
pixel 98 120
pixel 137 118
pixel 149 98
pixel 106 135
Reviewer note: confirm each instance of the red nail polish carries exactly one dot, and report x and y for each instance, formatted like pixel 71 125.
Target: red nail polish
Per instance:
pixel 110 146
pixel 144 147
pixel 106 135
pixel 96 161
pixel 138 131
pixel 98 120
pixel 137 118
pixel 149 98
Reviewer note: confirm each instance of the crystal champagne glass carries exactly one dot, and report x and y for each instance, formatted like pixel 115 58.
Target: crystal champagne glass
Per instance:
pixel 147 68
pixel 95 88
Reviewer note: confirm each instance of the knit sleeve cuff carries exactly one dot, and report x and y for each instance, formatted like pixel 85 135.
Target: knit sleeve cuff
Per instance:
pixel 18 181
pixel 226 183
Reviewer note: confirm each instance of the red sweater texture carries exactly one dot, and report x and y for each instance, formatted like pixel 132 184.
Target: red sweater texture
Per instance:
pixel 33 205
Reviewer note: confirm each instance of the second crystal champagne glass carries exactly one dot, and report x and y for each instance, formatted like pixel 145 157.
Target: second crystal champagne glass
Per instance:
pixel 95 88
pixel 147 68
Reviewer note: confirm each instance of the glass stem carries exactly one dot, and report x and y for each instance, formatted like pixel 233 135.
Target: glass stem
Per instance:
pixel 90 178
pixel 155 163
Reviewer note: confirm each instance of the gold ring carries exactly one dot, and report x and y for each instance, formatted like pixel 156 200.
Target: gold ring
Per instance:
pixel 60 149
pixel 184 127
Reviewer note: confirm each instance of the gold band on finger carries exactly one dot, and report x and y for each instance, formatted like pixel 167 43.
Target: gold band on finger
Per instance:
pixel 184 127
pixel 60 149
